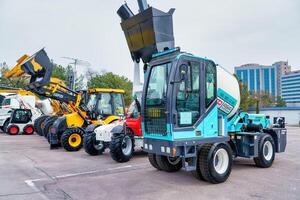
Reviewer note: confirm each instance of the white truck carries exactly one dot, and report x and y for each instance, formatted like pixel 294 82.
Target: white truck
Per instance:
pixel 17 113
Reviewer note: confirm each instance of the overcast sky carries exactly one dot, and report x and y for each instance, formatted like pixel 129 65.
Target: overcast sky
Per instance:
pixel 230 32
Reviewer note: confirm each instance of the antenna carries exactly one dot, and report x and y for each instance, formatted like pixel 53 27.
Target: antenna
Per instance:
pixel 76 61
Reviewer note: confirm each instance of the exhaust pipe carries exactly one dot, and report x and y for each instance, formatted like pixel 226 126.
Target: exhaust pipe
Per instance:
pixel 124 12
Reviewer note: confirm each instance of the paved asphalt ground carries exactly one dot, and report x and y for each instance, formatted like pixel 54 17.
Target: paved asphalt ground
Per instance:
pixel 29 170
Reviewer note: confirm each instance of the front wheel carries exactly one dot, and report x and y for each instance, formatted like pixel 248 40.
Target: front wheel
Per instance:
pixel 13 130
pixel 4 128
pixel 168 164
pixel 214 162
pixel 121 147
pixel 152 160
pixel 38 124
pixel 92 146
pixel 72 139
pixel 266 151
pixel 48 125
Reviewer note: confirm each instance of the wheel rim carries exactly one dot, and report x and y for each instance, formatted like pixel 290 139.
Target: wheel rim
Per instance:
pixel 29 129
pixel 75 140
pixel 126 145
pixel 98 144
pixel 13 130
pixel 268 150
pixel 43 125
pixel 221 161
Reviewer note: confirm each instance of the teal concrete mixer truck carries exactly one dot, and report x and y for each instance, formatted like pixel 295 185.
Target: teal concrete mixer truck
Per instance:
pixel 190 106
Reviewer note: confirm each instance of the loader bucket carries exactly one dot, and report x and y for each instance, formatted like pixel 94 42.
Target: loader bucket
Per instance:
pixel 148 32
pixel 39 67
pixel 16 71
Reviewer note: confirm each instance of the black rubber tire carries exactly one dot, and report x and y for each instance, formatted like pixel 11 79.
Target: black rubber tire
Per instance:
pixel 30 126
pixel 165 165
pixel 261 161
pixel 11 126
pixel 37 124
pixel 65 139
pixel 198 173
pixel 206 163
pixel 48 124
pixel 89 142
pixel 115 148
pixel 5 125
pixel 152 160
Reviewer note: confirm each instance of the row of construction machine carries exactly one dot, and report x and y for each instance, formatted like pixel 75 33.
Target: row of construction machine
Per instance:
pixel 95 106
pixel 190 115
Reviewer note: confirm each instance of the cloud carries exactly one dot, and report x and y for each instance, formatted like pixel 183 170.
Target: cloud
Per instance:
pixel 230 32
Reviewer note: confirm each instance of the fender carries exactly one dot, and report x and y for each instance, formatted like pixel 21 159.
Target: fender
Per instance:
pixel 91 127
pixel 117 130
pixel 110 119
pixel 74 120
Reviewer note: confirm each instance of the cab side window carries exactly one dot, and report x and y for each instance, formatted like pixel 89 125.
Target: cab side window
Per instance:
pixel 118 104
pixel 210 82
pixel 188 98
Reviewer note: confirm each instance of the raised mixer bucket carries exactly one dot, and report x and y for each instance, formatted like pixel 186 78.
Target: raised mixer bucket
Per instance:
pixel 147 33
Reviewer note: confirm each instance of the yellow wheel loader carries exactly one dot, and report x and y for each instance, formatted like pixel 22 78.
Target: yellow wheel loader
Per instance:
pixel 93 106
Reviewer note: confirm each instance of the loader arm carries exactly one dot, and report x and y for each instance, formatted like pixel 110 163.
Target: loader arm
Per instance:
pixel 38 68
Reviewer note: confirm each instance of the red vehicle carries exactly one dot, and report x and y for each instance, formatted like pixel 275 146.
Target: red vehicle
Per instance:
pixel 133 119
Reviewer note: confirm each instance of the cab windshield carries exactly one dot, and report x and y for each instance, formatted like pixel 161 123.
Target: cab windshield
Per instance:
pixel 157 85
pixel 156 99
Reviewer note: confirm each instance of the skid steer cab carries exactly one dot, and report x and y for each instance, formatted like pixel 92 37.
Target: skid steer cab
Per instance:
pixel 20 122
pixel 103 106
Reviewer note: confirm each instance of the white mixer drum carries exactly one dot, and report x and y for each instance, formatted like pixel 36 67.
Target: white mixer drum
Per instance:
pixel 228 92
pixel 45 106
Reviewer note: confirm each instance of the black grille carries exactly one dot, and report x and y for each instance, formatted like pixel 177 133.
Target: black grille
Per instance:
pixel 155 120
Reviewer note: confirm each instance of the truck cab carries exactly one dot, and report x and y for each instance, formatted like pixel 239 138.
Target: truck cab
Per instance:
pixel 180 103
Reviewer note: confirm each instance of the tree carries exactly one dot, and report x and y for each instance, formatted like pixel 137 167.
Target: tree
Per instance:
pixel 246 99
pixel 280 102
pixel 63 73
pixel 60 72
pixel 110 80
pixel 266 100
pixel 19 82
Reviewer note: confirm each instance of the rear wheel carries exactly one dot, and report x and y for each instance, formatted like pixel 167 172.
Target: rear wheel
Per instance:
pixel 48 125
pixel 214 162
pixel 266 151
pixel 72 139
pixel 5 125
pixel 121 147
pixel 13 130
pixel 38 124
pixel 152 160
pixel 92 146
pixel 169 164
pixel 28 130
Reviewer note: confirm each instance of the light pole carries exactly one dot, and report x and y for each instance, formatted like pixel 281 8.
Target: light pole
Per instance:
pixel 75 62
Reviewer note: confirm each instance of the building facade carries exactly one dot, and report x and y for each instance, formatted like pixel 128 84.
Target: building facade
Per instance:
pixel 291 88
pixel 263 78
